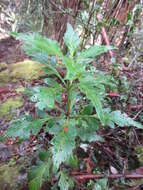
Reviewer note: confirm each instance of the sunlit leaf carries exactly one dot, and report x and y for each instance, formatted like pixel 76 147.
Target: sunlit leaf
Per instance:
pixel 71 39
pixel 74 70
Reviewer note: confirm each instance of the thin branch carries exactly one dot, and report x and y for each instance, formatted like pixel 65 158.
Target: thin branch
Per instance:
pixel 100 176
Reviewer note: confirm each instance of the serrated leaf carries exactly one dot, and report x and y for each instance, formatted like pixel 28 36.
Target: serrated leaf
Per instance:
pixel 121 119
pixel 90 80
pixel 71 39
pixel 89 132
pixel 51 83
pixel 40 48
pixel 63 145
pixel 74 70
pixel 93 52
pixel 23 127
pixel 35 44
pixel 91 92
pixel 63 181
pixel 74 95
pixel 36 176
pixel 87 110
pixel 50 70
pixel 101 184
pixel 40 57
pixel 45 96
pixel 52 126
pixel 90 136
pixel 73 161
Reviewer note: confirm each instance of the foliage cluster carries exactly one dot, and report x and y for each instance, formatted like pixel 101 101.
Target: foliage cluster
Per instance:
pixel 70 108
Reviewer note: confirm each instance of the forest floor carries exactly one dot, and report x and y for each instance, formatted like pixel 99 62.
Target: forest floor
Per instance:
pixel 121 152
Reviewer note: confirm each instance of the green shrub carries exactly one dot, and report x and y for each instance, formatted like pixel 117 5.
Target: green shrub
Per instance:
pixel 76 98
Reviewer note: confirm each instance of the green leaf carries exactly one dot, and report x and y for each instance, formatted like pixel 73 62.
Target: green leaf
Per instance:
pixel 53 124
pixel 63 181
pixel 71 39
pixel 72 161
pixel 93 52
pixel 35 44
pixel 43 155
pixel 121 119
pixel 57 88
pixel 101 184
pixel 87 110
pixel 23 127
pixel 36 176
pixel 51 83
pixel 52 71
pixel 88 88
pixel 74 96
pixel 88 131
pixel 63 144
pixel 45 96
pixel 74 70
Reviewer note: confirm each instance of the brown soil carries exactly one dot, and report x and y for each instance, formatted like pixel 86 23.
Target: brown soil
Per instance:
pixel 11 51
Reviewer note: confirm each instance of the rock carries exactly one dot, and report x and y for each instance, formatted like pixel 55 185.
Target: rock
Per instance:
pixel 3 66
pixel 26 70
pixel 139 153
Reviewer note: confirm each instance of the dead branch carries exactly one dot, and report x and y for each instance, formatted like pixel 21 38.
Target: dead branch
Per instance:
pixel 112 176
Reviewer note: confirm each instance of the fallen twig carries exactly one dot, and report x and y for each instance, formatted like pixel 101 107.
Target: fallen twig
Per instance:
pixel 112 176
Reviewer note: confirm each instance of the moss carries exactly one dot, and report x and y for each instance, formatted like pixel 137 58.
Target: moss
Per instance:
pixel 8 177
pixel 3 66
pixel 4 76
pixel 139 153
pixel 8 108
pixel 26 70
pixel 20 89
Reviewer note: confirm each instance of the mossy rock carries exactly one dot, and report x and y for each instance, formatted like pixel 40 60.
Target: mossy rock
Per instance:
pixel 26 70
pixel 4 76
pixel 139 153
pixel 8 177
pixel 9 107
pixel 20 89
pixel 3 66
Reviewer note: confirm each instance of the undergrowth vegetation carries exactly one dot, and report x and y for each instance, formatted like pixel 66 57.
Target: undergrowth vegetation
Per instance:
pixel 71 106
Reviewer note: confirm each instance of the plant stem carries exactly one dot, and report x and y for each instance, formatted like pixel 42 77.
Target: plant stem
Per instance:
pixel 68 98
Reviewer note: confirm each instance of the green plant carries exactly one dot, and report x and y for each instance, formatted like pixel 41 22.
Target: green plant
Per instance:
pixel 101 184
pixel 71 106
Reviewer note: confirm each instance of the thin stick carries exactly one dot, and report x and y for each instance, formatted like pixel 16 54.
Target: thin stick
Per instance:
pixel 100 176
